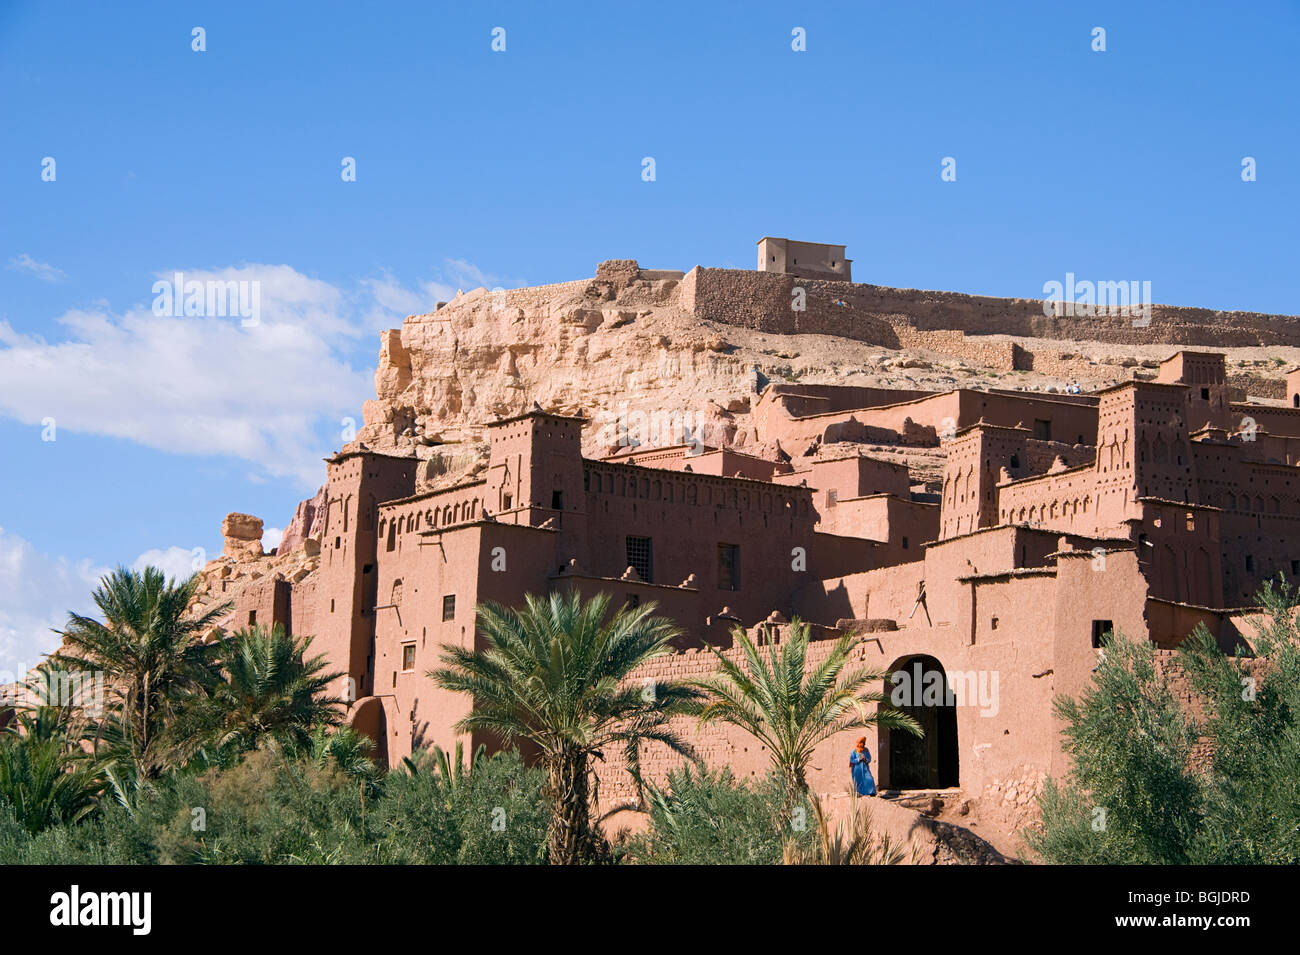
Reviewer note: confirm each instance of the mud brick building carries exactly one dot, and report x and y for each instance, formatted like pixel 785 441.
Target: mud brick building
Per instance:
pixel 1146 508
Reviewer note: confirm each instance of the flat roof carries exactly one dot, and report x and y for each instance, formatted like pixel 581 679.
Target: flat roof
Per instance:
pixel 432 493
pixel 534 413
pixel 344 455
pixel 1134 382
pixel 781 238
pixel 1014 572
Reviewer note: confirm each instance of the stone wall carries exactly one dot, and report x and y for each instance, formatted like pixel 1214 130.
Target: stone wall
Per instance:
pixel 872 313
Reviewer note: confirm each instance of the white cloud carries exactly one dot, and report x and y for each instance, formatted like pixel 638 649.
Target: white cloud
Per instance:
pixel 199 385
pixel 176 563
pixel 392 301
pixel 44 272
pixel 271 537
pixel 273 393
pixel 39 591
pixel 457 275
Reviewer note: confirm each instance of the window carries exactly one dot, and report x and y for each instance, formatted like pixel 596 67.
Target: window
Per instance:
pixel 728 567
pixel 557 500
pixel 1042 429
pixel 904 542
pixel 634 600
pixel 408 657
pixel 1205 394
pixel 509 502
pixel 1295 568
pixel 1250 564
pixel 640 557
pixel 1099 630
pixel 993 624
pixel 449 607
pixel 252 618
pixel 1015 461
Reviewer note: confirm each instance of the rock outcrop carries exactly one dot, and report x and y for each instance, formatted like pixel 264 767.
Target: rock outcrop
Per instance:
pixel 303 531
pixel 242 534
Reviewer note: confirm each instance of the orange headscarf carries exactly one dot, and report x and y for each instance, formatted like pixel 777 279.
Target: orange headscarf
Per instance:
pixel 862 744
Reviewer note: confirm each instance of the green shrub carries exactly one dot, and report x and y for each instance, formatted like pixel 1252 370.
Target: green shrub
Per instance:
pixel 708 818
pixel 1134 793
pixel 494 814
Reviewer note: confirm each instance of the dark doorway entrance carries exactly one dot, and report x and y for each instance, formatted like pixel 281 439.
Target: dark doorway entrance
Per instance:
pixel 928 762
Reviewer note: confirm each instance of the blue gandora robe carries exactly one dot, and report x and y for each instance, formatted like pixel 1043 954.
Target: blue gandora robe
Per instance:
pixel 862 781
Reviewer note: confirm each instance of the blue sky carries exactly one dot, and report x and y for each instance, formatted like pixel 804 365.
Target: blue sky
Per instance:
pixel 477 167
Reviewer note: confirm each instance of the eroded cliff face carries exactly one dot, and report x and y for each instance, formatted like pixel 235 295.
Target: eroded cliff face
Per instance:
pixel 610 346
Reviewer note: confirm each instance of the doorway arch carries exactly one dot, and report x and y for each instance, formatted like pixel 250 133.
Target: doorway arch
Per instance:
pixel 924 693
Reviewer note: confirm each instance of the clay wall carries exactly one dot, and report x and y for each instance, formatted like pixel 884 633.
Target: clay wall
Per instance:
pixel 263 603
pixel 762 300
pixel 900 525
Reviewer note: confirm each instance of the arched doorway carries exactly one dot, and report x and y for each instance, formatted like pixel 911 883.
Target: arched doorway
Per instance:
pixel 921 690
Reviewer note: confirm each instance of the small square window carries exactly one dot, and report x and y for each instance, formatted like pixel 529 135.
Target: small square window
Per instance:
pixel 408 657
pixel 449 607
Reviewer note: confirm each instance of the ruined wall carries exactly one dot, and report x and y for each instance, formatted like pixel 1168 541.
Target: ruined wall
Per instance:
pixel 871 313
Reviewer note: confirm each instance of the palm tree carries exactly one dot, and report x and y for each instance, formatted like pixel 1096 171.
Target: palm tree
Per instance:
pixel 269 690
pixel 346 749
pixel 556 673
pixel 349 751
pixel 790 708
pixel 44 776
pixel 149 651
pixel 449 773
